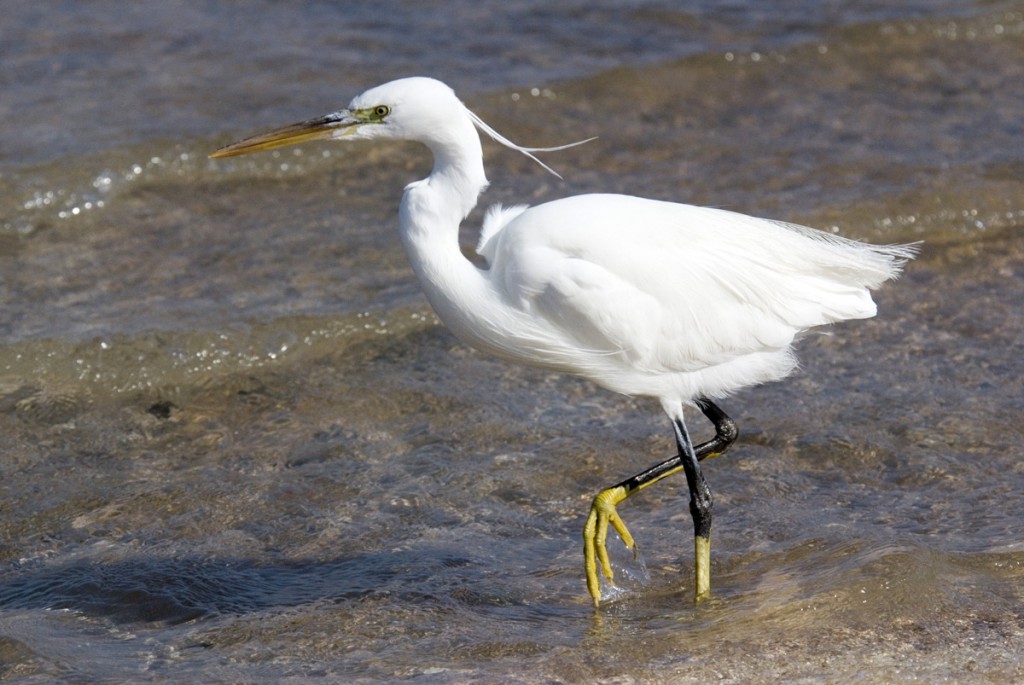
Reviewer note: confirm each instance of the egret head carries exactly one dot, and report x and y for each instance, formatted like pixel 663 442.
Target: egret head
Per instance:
pixel 416 108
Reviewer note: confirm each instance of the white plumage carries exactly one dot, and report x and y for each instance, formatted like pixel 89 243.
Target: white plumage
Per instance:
pixel 642 297
pixel 669 300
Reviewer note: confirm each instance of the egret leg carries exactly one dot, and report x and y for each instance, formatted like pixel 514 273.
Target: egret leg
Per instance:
pixel 700 509
pixel 603 511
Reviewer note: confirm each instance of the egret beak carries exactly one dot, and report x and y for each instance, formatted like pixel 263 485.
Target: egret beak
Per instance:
pixel 336 125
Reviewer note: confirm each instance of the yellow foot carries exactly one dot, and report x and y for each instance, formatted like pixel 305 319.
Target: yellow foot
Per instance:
pixel 595 535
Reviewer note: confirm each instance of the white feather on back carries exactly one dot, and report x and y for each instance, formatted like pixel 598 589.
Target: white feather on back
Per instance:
pixel 683 290
pixel 496 218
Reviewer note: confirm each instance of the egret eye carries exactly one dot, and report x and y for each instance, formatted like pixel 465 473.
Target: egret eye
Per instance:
pixel 381 111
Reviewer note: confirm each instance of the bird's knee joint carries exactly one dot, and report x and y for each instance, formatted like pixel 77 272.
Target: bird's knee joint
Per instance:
pixel 727 430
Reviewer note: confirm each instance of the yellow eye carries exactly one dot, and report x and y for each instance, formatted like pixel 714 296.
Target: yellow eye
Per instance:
pixel 381 111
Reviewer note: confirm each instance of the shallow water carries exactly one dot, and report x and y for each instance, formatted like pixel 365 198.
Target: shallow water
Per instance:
pixel 239 446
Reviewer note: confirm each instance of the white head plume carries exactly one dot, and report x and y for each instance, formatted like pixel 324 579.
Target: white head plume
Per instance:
pixel 482 125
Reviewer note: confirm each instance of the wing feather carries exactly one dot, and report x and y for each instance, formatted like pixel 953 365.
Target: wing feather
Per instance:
pixel 675 288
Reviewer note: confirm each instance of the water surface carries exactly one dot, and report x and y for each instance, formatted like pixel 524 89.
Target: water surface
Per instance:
pixel 240 447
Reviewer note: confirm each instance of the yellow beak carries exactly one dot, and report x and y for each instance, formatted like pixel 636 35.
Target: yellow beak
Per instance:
pixel 336 125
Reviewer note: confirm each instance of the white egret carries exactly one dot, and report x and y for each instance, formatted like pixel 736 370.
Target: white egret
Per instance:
pixel 685 304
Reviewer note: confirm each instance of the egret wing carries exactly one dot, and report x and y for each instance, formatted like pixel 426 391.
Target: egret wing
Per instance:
pixel 677 288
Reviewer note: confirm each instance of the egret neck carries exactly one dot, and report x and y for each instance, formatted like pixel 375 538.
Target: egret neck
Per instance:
pixel 429 218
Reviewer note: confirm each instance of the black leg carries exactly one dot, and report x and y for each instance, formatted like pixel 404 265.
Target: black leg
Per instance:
pixel 700 494
pixel 725 431
pixel 725 435
pixel 603 513
pixel 701 506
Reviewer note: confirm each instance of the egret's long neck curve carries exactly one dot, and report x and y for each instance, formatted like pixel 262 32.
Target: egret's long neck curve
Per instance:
pixel 455 182
pixel 430 215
